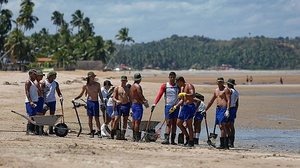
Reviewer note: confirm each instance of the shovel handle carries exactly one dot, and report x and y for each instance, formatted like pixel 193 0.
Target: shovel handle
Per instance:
pixel 62 111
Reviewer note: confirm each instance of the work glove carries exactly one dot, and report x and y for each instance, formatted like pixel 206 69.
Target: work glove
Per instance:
pixel 226 114
pixel 203 113
pixel 172 109
pixel 61 98
pixel 153 107
pixel 182 94
pixel 146 104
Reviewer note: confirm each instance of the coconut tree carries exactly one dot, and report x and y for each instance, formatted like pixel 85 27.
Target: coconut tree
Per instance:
pixel 77 19
pixel 25 18
pixel 123 36
pixel 5 25
pixel 57 19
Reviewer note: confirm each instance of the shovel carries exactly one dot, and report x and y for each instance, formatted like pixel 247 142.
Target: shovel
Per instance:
pixel 208 136
pixel 213 136
pixel 147 126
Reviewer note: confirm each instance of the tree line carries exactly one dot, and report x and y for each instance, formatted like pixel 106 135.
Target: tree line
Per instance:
pixel 198 52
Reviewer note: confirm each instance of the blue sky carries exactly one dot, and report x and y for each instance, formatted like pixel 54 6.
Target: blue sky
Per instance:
pixel 151 20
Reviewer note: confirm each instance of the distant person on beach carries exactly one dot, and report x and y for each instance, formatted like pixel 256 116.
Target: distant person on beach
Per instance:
pixel 138 100
pixel 281 80
pixel 222 95
pixel 186 96
pixel 234 105
pixel 250 79
pixel 50 86
pixel 31 99
pixel 121 97
pixel 170 90
pixel 247 80
pixel 93 90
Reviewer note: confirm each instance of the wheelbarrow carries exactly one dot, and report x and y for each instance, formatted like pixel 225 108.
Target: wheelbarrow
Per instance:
pixel 60 129
pixel 150 133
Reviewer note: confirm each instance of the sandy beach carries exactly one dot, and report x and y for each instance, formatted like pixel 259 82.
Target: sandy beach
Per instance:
pixel 265 104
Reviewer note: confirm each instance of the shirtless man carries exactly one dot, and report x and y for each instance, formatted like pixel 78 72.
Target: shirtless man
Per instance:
pixel 222 94
pixel 138 100
pixel 234 104
pixel 170 90
pixel 188 109
pixel 121 97
pixel 92 91
pixel 40 104
pixel 31 99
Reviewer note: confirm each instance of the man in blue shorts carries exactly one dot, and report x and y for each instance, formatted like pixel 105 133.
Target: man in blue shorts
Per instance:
pixel 50 86
pixel 93 90
pixel 187 111
pixel 121 97
pixel 234 104
pixel 222 95
pixel 138 100
pixel 170 90
pixel 31 99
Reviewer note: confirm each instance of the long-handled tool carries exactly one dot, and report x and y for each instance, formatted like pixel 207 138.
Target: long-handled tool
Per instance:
pixel 75 106
pixel 147 131
pixel 213 136
pixel 208 137
pixel 61 129
pixel 158 132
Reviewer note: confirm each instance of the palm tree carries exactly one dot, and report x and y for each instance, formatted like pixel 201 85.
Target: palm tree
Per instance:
pixel 123 36
pixel 26 19
pixel 77 19
pixel 58 19
pixel 5 20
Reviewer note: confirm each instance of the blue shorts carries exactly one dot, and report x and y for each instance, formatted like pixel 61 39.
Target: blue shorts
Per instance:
pixel 198 116
pixel 123 109
pixel 172 115
pixel 110 111
pixel 232 112
pixel 187 112
pixel 52 106
pixel 31 111
pixel 40 105
pixel 92 108
pixel 220 117
pixel 137 111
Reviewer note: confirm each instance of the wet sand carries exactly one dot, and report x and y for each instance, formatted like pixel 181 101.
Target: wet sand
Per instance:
pixel 264 105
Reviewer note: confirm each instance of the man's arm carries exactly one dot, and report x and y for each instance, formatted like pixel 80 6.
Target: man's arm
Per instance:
pixel 58 90
pixel 100 94
pixel 27 90
pixel 160 93
pixel 115 95
pixel 237 104
pixel 211 101
pixel 227 94
pixel 82 91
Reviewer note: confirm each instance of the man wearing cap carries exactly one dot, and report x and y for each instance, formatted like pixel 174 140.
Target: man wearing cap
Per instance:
pixel 93 90
pixel 138 100
pixel 170 91
pixel 222 95
pixel 234 104
pixel 121 97
pixel 104 90
pixel 186 97
pixel 50 86
pixel 31 99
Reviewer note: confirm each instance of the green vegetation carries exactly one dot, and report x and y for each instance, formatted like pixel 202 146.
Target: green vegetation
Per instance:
pixel 199 52
pixel 77 40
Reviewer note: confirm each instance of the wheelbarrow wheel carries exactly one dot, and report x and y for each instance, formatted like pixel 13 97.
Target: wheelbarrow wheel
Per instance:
pixel 61 130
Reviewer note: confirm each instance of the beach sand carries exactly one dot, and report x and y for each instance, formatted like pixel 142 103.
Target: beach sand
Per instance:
pixel 265 104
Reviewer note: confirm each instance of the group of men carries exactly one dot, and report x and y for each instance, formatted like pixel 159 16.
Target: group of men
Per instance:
pixel 40 97
pixel 183 106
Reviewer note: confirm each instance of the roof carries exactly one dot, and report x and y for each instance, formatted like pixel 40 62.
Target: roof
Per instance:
pixel 44 59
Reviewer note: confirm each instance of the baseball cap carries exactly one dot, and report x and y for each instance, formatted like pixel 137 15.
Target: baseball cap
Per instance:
pixel 51 73
pixel 107 83
pixel 39 73
pixel 32 71
pixel 137 76
pixel 91 74
pixel 220 79
pixel 231 81
pixel 123 77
